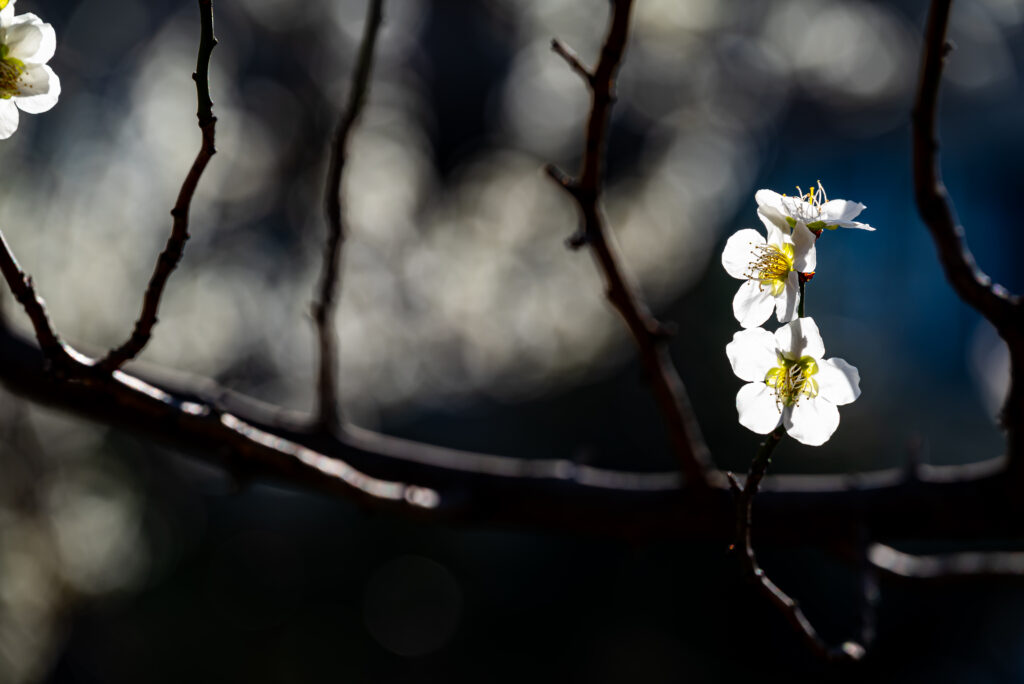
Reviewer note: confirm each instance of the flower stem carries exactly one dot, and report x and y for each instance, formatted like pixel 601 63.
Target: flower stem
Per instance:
pixel 800 304
pixel 745 497
pixel 849 651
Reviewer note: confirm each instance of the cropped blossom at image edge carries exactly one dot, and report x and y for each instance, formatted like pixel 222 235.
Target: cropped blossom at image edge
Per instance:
pixel 789 381
pixel 26 82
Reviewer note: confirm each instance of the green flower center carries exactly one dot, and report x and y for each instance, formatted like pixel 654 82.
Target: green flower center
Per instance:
pixel 11 70
pixel 771 266
pixel 793 379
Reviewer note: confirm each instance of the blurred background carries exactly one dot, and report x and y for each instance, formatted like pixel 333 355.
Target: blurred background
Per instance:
pixel 465 322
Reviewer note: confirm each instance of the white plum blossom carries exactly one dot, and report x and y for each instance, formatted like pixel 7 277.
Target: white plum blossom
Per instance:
pixel 771 267
pixel 814 208
pixel 789 381
pixel 26 82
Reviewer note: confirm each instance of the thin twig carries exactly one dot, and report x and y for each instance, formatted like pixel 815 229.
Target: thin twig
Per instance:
pixel 572 59
pixel 743 547
pixel 1004 311
pixel 175 247
pixel 328 412
pixel 650 335
pixel 24 292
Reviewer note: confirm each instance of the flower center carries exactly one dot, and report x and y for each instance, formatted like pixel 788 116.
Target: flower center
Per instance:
pixel 11 70
pixel 770 266
pixel 793 379
pixel 808 208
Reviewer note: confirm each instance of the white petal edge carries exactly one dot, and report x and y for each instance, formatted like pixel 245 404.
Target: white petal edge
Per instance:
pixel 26 18
pixel 7 14
pixel 854 224
pixel 758 412
pixel 785 304
pixel 812 421
pixel 47 45
pixel 805 256
pixel 23 40
pixel 773 220
pixel 37 104
pixel 769 198
pixel 839 210
pixel 838 381
pixel 752 304
pixel 800 337
pixel 739 252
pixel 8 118
pixel 752 354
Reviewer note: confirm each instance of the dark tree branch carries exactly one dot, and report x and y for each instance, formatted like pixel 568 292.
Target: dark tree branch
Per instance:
pixel 243 435
pixel 933 202
pixel 328 414
pixel 1003 310
pixel 24 292
pixel 743 547
pixel 647 332
pixel 175 247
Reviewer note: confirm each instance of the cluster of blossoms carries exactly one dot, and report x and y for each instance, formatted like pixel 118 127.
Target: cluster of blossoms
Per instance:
pixel 789 380
pixel 26 82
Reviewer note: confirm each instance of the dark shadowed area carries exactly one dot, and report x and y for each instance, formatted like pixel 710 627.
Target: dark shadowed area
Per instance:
pixel 465 322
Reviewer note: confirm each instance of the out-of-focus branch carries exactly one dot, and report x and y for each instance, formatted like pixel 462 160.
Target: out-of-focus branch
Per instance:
pixel 650 336
pixel 949 566
pixel 1004 311
pixel 744 548
pixel 25 293
pixel 175 247
pixel 328 413
pixel 265 443
pixel 933 202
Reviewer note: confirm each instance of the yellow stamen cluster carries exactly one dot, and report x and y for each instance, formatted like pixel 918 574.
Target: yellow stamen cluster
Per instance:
pixel 792 379
pixel 771 266
pixel 11 70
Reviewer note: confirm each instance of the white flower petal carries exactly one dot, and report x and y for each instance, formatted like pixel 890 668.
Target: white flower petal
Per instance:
pixel 769 198
pixel 22 40
pixel 800 337
pixel 752 354
pixel 773 219
pixel 26 18
pixel 854 224
pixel 805 257
pixel 837 211
pixel 785 304
pixel 8 118
pixel 739 252
pixel 779 237
pixel 797 207
pixel 758 411
pixel 7 14
pixel 812 421
pixel 752 304
pixel 46 47
pixel 838 381
pixel 41 96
